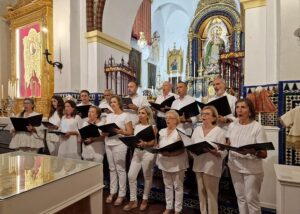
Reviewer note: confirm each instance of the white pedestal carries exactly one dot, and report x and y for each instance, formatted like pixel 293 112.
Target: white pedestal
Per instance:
pixel 287 189
pixel 267 193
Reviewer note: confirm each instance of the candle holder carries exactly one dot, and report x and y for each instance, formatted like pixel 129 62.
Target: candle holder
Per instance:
pixel 59 65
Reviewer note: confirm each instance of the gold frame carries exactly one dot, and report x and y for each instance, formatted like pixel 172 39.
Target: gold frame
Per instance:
pixel 175 54
pixel 38 11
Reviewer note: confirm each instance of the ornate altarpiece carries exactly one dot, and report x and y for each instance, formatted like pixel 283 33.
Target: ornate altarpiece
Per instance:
pixel 30 72
pixel 215 30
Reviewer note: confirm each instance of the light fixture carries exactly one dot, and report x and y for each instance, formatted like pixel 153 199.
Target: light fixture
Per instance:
pixel 142 42
pixel 297 34
pixel 59 65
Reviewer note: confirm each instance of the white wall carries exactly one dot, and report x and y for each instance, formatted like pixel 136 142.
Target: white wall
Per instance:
pixel 4 56
pixel 289 49
pixel 255 46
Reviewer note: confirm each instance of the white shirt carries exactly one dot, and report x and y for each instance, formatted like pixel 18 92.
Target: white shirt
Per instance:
pixel 162 98
pixel 171 163
pixel 231 100
pixel 55 119
pixel 104 104
pixel 207 162
pixel 139 101
pixel 120 120
pixel 240 135
pixel 180 103
pixel 292 117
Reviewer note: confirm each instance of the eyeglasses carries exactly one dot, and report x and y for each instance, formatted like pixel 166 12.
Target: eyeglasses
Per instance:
pixel 205 114
pixel 169 118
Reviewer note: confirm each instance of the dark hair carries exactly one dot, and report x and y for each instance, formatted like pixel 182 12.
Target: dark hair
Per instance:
pixel 59 108
pixel 32 103
pixel 136 83
pixel 250 105
pixel 98 111
pixel 118 98
pixel 73 105
pixel 85 91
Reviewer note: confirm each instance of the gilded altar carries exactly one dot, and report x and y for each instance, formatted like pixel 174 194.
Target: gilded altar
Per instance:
pixel 30 21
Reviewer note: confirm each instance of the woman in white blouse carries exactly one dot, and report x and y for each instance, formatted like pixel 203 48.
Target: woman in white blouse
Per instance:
pixel 31 140
pixel 93 149
pixel 208 166
pixel 172 164
pixel 69 142
pixel 141 160
pixel 246 167
pixel 116 150
pixel 55 115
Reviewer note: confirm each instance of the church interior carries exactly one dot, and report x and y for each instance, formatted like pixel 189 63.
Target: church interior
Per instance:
pixel 61 47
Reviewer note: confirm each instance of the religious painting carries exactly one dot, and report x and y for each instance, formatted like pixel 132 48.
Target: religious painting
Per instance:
pixel 135 61
pixel 29 60
pixel 175 61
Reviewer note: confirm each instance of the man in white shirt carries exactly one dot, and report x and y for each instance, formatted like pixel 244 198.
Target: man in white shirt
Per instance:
pixel 183 100
pixel 138 101
pixel 220 89
pixel 85 98
pixel 105 104
pixel 160 116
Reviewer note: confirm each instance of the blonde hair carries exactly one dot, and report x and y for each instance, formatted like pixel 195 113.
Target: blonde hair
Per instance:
pixel 149 114
pixel 174 113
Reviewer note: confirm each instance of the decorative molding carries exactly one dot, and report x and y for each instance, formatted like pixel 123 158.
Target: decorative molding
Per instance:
pixel 100 37
pixel 248 4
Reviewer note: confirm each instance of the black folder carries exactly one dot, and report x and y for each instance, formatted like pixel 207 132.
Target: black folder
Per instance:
pixel 146 135
pixel 256 146
pixel 196 148
pixel 57 132
pixel 189 110
pixel 169 148
pixel 47 124
pixel 221 104
pixel 109 128
pixel 20 123
pixel 90 130
pixel 166 103
pixel 126 101
pixel 83 111
pixel 105 110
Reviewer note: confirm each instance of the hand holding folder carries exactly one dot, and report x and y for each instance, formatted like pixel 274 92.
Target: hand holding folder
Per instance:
pixel 126 102
pixel 196 148
pixel 146 135
pixel 49 125
pixel 89 131
pixel 178 145
pixel 242 149
pixel 109 128
pixel 221 104
pixel 188 111
pixel 22 123
pixel 164 106
pixel 57 132
pixel 105 110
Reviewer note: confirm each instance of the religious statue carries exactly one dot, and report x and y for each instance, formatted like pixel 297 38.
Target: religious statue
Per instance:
pixel 174 65
pixel 214 46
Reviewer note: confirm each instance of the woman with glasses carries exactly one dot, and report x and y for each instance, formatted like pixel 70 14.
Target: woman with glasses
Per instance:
pixel 31 140
pixel 208 166
pixel 173 164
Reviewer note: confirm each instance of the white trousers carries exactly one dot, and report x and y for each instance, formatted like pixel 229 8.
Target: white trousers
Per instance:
pixel 247 188
pixel 144 160
pixel 208 189
pixel 174 181
pixel 116 157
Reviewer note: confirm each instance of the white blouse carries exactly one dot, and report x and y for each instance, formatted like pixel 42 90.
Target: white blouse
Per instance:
pixel 171 163
pixel 207 162
pixel 120 120
pixel 240 135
